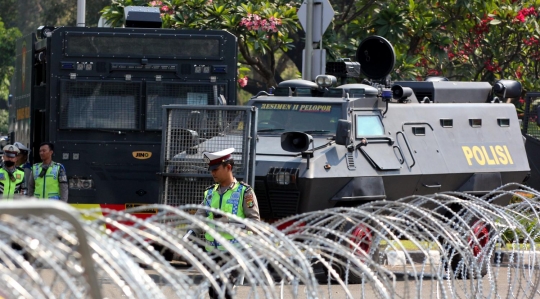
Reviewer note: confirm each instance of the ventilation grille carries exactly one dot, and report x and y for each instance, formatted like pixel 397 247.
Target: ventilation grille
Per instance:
pixel 284 203
pixel 350 161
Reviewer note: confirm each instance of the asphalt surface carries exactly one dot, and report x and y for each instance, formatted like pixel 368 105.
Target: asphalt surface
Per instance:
pixel 506 284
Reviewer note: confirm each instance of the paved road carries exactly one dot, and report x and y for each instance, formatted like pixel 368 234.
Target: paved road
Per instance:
pixel 506 285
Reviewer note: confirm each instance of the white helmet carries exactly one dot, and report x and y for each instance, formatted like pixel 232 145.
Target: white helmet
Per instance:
pixel 21 146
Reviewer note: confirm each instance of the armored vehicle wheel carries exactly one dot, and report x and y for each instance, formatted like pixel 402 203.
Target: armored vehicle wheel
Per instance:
pixel 362 236
pixel 477 243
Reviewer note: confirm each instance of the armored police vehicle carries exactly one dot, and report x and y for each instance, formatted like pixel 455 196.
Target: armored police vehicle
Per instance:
pixel 97 94
pixel 321 146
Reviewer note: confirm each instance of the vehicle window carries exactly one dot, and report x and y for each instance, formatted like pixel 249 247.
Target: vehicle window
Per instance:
pixel 159 94
pixel 309 118
pixel 138 45
pixel 99 105
pixel 368 125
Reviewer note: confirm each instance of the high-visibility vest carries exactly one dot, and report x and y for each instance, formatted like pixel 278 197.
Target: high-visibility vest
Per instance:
pixel 47 187
pixel 230 202
pixel 9 187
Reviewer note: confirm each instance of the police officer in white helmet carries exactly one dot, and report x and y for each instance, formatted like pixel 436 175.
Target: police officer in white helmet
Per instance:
pixel 12 182
pixel 22 161
pixel 228 195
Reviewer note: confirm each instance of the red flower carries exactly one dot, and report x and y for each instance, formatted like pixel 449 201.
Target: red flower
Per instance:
pixel 243 81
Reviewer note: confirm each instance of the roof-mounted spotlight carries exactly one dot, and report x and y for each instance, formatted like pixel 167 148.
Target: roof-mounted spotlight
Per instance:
pixel 343 68
pixel 436 79
pixel 45 31
pixel 507 89
pixel 142 17
pixel 325 81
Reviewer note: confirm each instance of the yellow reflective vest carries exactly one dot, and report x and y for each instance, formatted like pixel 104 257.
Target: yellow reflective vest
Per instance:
pixel 47 187
pixel 229 202
pixel 9 187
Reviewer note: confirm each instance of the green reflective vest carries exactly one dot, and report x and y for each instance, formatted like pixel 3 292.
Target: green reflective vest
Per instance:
pixel 7 185
pixel 228 202
pixel 47 187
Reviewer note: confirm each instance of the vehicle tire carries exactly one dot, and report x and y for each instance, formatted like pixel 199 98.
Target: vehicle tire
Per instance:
pixel 362 235
pixel 481 230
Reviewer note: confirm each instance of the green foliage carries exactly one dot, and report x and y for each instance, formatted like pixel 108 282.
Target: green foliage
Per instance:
pixel 462 40
pixel 4 117
pixel 262 27
pixel 8 38
pixel 529 223
pixel 8 13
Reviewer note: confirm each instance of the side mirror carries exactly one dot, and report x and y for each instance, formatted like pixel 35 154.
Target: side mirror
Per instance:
pixel 343 132
pixel 221 100
pixel 295 141
pixel 185 139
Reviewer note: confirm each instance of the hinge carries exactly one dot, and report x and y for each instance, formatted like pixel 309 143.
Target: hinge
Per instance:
pixel 72 76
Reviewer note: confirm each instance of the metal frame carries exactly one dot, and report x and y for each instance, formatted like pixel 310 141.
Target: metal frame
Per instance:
pixel 249 134
pixel 65 212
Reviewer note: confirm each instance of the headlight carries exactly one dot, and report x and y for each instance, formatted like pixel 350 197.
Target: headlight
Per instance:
pixel 80 183
pixel 325 80
pixel 283 178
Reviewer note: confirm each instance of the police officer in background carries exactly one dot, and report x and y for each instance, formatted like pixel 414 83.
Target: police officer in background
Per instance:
pixel 11 177
pixel 227 195
pixel 22 160
pixel 48 179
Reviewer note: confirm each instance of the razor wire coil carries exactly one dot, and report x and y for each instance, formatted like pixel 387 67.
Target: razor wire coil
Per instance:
pixel 445 245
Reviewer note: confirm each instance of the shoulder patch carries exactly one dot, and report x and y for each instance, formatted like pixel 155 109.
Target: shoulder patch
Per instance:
pixel 248 187
pixel 210 187
pixel 249 200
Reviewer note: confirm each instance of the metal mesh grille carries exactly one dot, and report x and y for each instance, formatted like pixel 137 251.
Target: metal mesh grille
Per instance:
pixel 167 45
pixel 103 105
pixel 190 132
pixel 180 191
pixel 159 94
pixel 529 121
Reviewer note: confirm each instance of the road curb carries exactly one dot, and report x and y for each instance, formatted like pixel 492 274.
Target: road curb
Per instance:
pixel 400 258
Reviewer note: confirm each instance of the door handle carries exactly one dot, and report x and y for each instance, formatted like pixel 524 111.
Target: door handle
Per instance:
pixel 437 185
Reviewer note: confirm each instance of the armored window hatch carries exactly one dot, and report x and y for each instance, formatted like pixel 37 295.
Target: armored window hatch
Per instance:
pixel 475 122
pixel 503 122
pixel 447 122
pixel 419 131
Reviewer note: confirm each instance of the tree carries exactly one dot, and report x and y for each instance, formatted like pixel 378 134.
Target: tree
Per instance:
pixel 263 28
pixel 8 37
pixel 8 14
pixel 462 40
pixel 33 13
